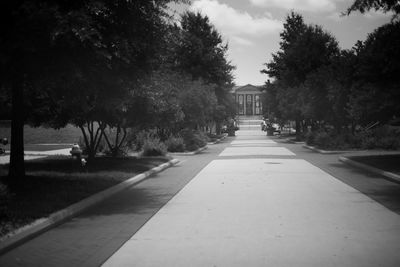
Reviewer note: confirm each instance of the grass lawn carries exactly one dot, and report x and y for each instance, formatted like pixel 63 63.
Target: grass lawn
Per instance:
pixel 54 183
pixel 390 163
pixel 42 135
pixel 39 147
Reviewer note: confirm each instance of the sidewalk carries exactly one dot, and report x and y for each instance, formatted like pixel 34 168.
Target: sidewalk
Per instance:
pixel 92 237
pixel 250 201
pixel 260 205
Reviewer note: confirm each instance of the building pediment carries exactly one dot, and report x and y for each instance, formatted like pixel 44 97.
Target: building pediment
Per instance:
pixel 247 89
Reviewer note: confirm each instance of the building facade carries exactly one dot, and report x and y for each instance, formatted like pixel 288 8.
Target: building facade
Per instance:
pixel 248 99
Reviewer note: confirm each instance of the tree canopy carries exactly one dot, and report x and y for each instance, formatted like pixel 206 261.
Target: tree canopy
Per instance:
pixel 366 5
pixel 202 54
pixel 315 82
pixel 303 50
pixel 72 61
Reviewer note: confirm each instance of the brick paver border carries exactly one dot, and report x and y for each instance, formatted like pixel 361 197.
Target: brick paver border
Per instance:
pixel 42 225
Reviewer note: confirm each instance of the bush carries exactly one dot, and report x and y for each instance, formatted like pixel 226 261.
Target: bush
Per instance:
pixel 137 139
pixel 383 137
pixel 154 147
pixel 5 196
pixel 323 140
pixel 326 140
pixel 310 138
pixel 193 139
pixel 389 142
pixel 175 144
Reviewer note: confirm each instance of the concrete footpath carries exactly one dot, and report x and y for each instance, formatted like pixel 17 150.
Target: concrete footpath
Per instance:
pixel 92 237
pixel 260 205
pixel 250 201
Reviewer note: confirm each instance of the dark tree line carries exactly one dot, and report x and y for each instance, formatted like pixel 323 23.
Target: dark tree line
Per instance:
pixel 108 66
pixel 315 83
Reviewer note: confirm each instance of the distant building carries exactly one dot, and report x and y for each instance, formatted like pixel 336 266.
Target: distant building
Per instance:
pixel 248 99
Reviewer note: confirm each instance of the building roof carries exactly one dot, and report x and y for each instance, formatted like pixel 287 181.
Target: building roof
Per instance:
pixel 246 88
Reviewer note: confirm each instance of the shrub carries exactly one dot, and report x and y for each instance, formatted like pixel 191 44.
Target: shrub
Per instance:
pixel 154 147
pixel 175 144
pixel 137 139
pixel 389 142
pixel 310 138
pixel 323 140
pixel 5 196
pixel 382 137
pixel 193 139
pixel 354 141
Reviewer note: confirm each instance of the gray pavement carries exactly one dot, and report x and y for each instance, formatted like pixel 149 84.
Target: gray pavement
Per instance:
pixel 261 202
pixel 265 211
pixel 90 238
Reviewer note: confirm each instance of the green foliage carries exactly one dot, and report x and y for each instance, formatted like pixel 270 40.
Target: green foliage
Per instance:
pixel 322 139
pixel 193 139
pixel 154 147
pixel 366 5
pixel 136 140
pixel 76 63
pixel 5 197
pixel 200 52
pixel 310 138
pixel 175 101
pixel 375 94
pixel 381 137
pixel 317 83
pixel 304 49
pixel 198 103
pixel 175 144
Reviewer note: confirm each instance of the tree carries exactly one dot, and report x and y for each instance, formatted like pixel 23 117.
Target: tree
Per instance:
pixel 201 53
pixel 366 5
pixel 57 51
pixel 303 50
pixel 178 102
pixel 26 48
pixel 375 94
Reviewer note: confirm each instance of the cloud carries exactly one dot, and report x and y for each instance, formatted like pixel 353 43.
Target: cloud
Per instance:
pixel 377 14
pixel 370 15
pixel 241 41
pixel 302 5
pixel 235 24
pixel 336 16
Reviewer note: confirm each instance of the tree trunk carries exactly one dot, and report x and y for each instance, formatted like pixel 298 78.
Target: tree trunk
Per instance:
pixel 218 128
pixel 298 129
pixel 17 168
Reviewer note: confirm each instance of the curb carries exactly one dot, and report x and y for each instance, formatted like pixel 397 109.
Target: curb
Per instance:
pixel 326 151
pixel 188 153
pixel 214 143
pixel 388 175
pixel 58 217
pixel 292 142
pixel 218 140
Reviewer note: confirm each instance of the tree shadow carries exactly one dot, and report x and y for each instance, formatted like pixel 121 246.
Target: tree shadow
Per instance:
pixel 377 187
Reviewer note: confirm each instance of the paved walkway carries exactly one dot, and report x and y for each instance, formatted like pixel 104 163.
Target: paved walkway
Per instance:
pixel 260 205
pixel 92 237
pixel 251 201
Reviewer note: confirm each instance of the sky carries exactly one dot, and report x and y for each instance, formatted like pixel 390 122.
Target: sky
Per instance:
pixel 251 27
